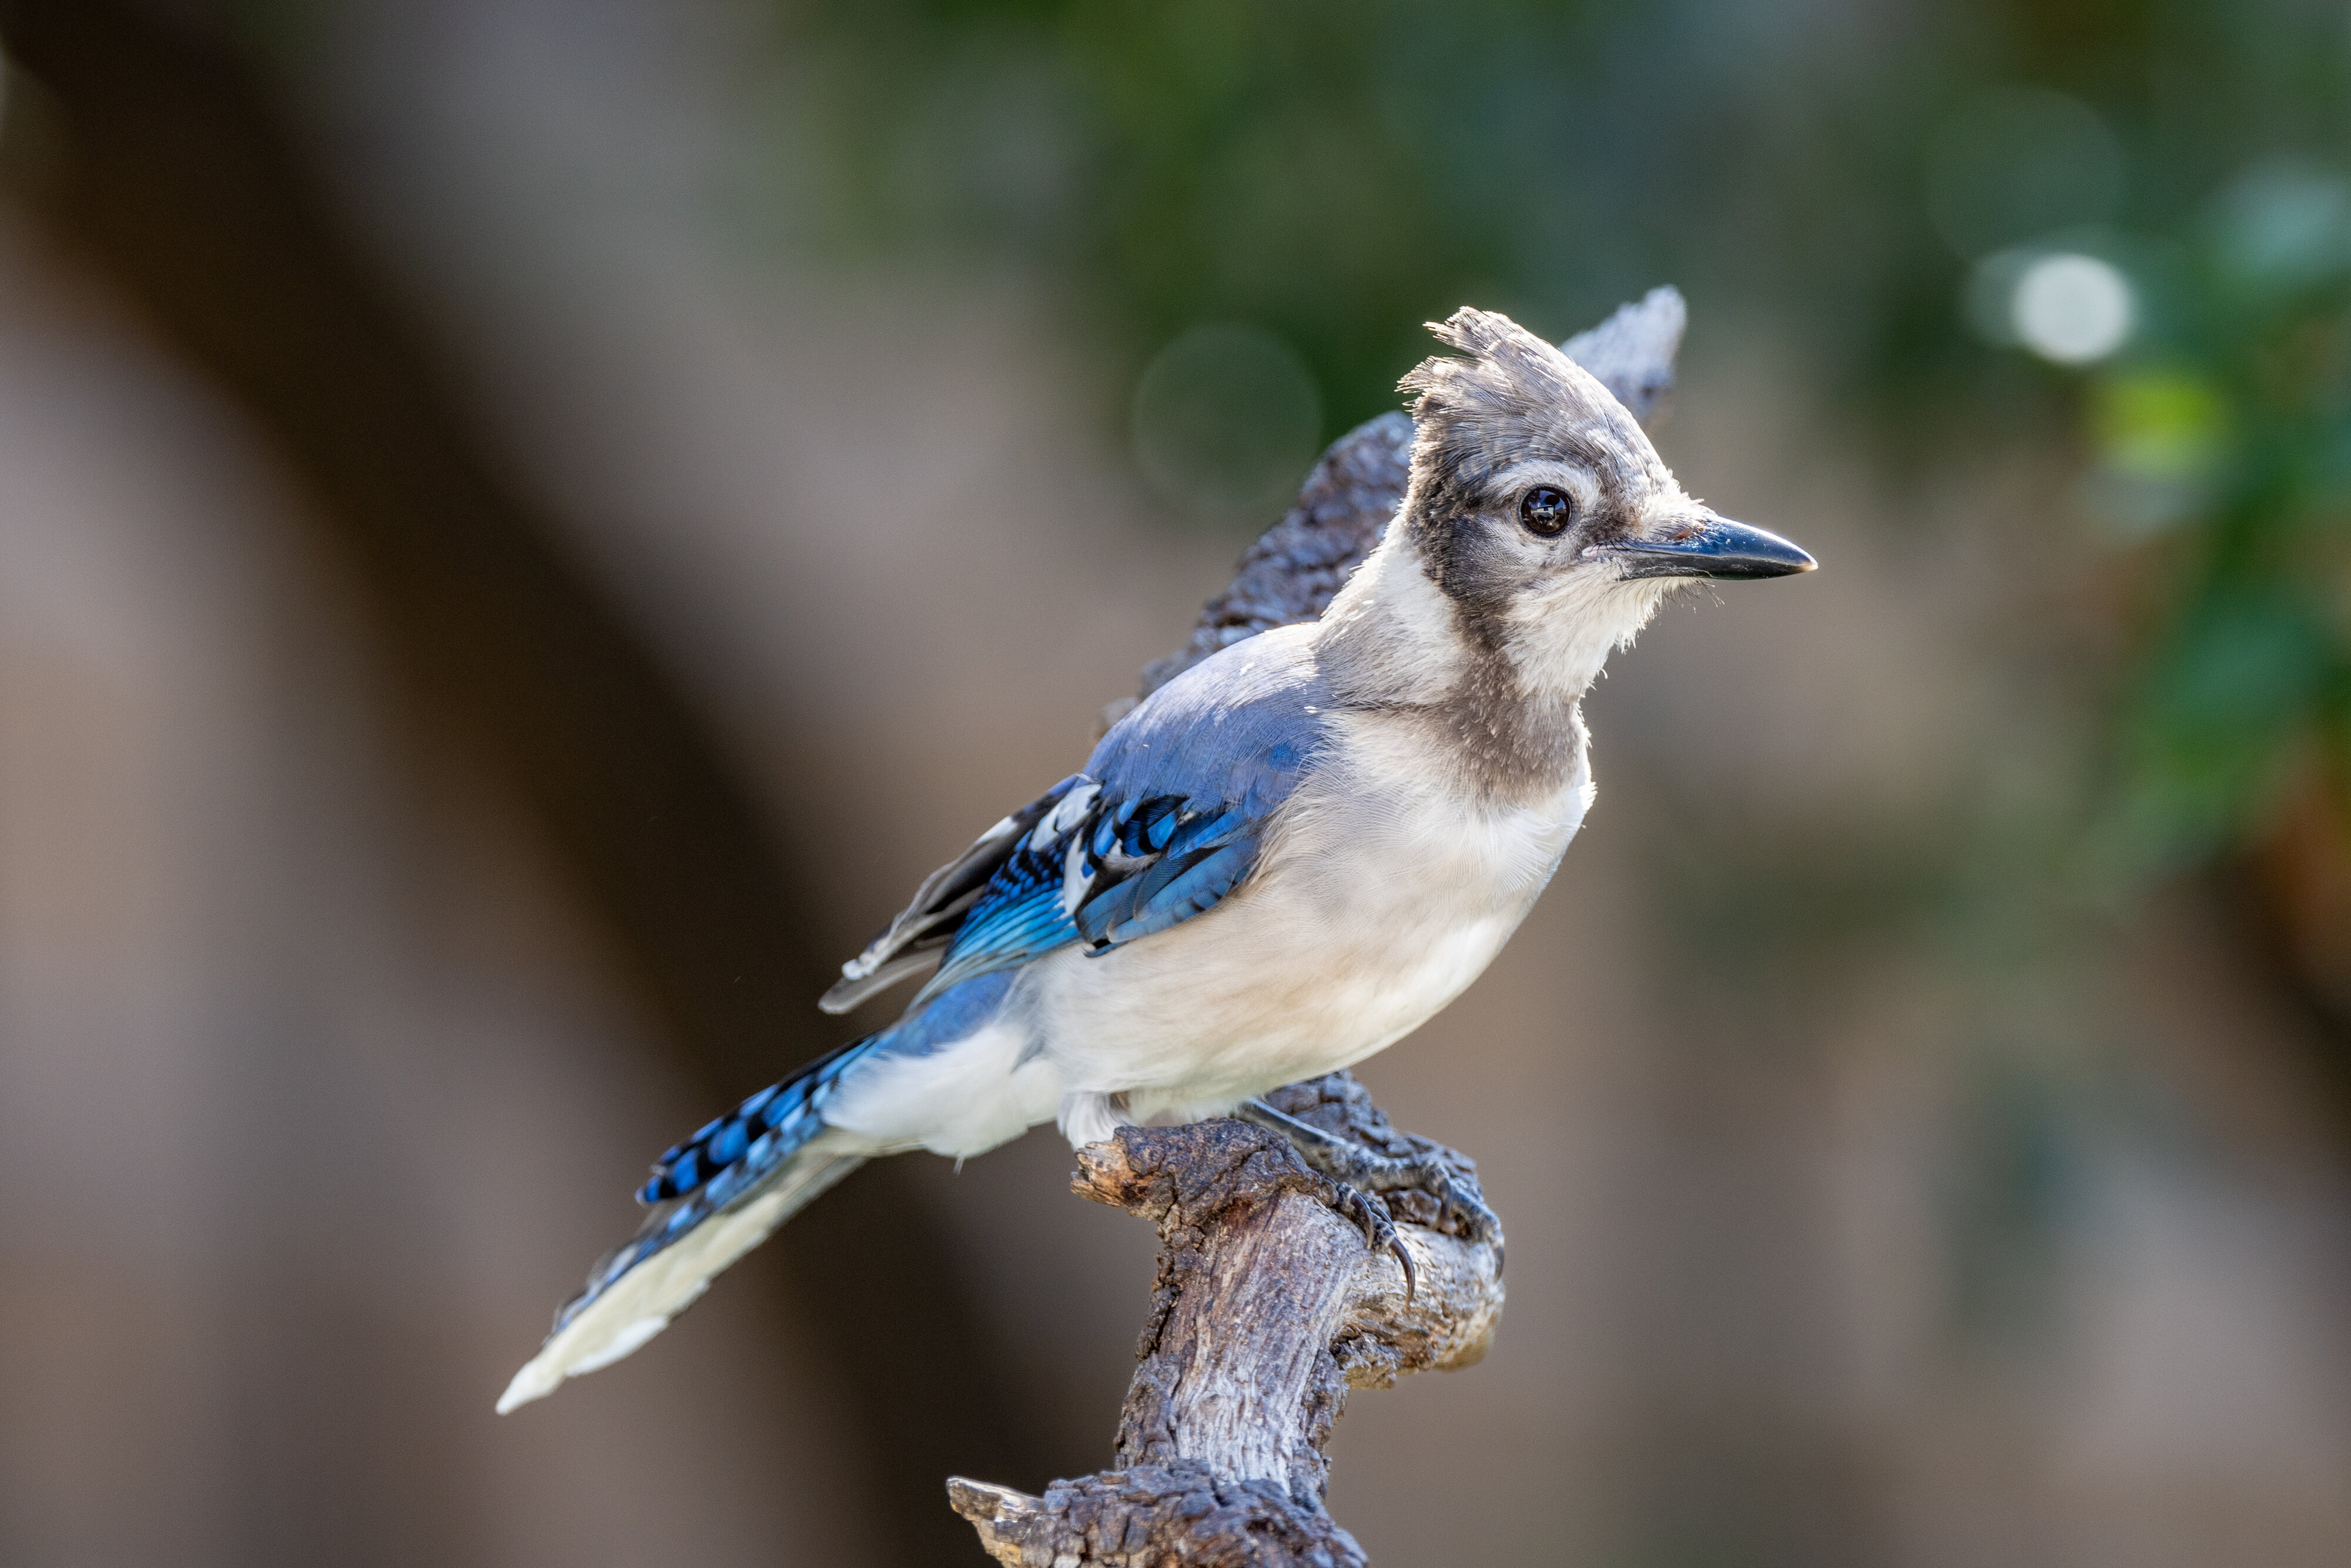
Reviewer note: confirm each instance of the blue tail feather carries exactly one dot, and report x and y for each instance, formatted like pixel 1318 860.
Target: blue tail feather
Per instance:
pixel 764 1142
pixel 724 1144
pixel 749 1149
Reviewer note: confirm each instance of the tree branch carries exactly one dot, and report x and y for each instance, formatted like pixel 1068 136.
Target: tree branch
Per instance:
pixel 1268 1308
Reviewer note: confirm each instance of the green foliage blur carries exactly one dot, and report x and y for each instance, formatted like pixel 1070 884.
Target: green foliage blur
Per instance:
pixel 1850 177
pixel 2225 434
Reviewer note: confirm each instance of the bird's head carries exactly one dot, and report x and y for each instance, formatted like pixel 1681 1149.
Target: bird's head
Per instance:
pixel 1538 510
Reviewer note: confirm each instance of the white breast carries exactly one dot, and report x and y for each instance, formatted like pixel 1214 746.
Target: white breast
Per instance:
pixel 1382 894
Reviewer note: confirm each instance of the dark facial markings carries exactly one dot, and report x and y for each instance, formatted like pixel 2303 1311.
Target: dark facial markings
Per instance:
pixel 1514 401
pixel 1471 525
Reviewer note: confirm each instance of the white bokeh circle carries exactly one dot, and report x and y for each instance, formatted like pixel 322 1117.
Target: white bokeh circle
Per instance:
pixel 2072 308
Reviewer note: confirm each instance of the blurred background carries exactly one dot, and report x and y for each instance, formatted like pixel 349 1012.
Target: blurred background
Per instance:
pixel 526 525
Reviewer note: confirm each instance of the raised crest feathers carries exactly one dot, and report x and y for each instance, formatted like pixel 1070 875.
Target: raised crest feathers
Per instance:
pixel 1506 363
pixel 1506 394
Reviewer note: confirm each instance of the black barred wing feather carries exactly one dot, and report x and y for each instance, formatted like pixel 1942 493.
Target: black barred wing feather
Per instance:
pixel 1089 870
pixel 941 906
pixel 1159 862
pixel 1165 821
pixel 1024 911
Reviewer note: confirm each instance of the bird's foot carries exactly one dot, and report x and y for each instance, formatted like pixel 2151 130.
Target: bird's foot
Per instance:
pixel 1365 1177
pixel 1379 1230
pixel 1458 1207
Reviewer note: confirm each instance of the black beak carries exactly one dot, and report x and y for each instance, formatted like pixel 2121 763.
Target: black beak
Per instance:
pixel 1709 546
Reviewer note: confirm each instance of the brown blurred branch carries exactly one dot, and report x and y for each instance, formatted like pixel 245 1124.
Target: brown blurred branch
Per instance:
pixel 176 176
pixel 1268 1308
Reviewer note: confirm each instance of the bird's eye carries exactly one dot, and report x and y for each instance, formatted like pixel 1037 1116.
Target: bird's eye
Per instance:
pixel 1545 510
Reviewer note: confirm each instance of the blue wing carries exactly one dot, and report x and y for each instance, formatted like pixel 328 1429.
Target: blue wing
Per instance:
pixel 1166 821
pixel 942 907
pixel 1102 872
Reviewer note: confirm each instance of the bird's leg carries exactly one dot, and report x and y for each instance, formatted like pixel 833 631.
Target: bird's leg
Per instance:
pixel 1358 1171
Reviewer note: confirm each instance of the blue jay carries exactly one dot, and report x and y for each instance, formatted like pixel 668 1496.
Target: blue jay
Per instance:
pixel 1287 858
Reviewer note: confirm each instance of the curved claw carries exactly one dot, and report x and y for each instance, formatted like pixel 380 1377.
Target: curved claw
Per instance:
pixel 1358 1171
pixel 1403 1256
pixel 1379 1233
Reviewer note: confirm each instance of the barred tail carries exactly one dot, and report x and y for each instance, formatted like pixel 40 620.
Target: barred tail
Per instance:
pixel 715 1196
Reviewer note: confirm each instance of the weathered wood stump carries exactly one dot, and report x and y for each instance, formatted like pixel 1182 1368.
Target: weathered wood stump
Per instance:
pixel 1268 1308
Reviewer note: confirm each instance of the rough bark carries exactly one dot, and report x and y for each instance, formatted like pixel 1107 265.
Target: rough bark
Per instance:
pixel 1267 1309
